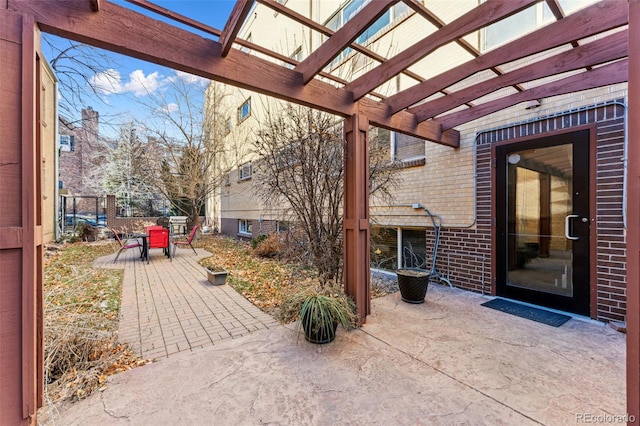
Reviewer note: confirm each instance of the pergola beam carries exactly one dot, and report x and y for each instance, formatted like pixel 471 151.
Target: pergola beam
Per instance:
pixel 598 52
pixel 605 75
pixel 594 19
pixel 216 32
pixel 175 16
pixel 130 33
pixel 342 38
pixel 296 17
pixel 479 17
pixel 633 216
pixel 234 23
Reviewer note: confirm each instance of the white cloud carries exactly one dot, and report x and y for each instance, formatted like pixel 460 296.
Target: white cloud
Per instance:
pixel 169 108
pixel 188 78
pixel 142 85
pixel 110 82
pixel 107 82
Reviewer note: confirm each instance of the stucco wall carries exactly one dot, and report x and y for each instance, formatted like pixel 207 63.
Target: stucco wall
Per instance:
pixel 48 140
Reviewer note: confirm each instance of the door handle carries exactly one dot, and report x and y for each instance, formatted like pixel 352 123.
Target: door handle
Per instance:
pixel 567 224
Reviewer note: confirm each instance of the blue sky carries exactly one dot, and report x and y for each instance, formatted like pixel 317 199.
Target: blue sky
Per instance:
pixel 128 82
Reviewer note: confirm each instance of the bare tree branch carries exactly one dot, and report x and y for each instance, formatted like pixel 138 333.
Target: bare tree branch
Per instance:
pixel 189 128
pixel 75 65
pixel 301 171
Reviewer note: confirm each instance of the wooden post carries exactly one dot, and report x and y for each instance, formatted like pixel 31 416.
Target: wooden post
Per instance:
pixel 20 227
pixel 356 213
pixel 633 216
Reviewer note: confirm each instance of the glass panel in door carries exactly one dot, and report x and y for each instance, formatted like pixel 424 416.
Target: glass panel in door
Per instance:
pixel 540 186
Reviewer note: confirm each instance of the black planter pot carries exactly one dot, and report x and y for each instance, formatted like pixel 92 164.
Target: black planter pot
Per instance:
pixel 413 284
pixel 318 335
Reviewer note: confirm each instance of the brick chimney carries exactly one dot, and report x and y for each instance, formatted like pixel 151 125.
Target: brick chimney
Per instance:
pixel 90 123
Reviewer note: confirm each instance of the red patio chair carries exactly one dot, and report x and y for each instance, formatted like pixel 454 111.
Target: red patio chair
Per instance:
pixel 186 242
pixel 158 238
pixel 125 245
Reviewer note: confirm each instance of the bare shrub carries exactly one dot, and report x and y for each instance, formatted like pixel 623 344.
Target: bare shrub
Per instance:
pixel 81 307
pixel 300 173
pixel 269 247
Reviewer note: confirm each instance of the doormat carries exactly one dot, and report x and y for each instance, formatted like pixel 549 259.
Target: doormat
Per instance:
pixel 529 312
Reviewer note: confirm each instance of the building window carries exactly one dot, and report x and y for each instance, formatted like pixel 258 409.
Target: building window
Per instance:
pixel 350 10
pixel 515 26
pixel 296 55
pixel 67 143
pixel 244 226
pixel 244 111
pixel 407 148
pixel 282 2
pixel 282 226
pixel 380 142
pixel 414 248
pixel 227 179
pixel 245 171
pixel 384 248
pixel 246 49
pixel 397 248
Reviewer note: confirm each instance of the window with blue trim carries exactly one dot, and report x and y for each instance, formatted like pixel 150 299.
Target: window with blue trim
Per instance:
pixel 244 111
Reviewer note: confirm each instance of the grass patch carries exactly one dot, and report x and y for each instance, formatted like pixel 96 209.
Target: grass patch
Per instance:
pixel 266 282
pixel 81 305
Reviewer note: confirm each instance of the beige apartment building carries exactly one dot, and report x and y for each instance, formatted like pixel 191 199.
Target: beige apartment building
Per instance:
pixel 48 172
pixel 540 184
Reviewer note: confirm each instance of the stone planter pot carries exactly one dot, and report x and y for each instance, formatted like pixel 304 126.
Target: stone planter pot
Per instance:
pixel 217 277
pixel 413 284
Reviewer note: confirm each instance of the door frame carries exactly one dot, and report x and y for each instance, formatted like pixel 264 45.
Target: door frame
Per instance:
pixel 593 267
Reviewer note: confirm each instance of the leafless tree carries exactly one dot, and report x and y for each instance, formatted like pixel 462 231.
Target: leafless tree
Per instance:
pixel 76 64
pixel 301 172
pixel 189 125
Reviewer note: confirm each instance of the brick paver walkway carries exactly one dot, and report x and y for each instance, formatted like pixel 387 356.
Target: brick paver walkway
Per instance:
pixel 169 307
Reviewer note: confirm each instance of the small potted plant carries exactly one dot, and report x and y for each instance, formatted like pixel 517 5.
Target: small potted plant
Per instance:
pixel 216 275
pixel 319 312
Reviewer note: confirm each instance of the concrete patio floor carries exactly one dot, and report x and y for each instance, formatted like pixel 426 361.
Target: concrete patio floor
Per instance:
pixel 448 361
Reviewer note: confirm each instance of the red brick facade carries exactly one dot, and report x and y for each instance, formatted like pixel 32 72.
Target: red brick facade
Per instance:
pixel 80 170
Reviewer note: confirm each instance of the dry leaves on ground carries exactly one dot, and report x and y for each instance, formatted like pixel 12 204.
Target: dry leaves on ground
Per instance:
pixel 266 282
pixel 81 305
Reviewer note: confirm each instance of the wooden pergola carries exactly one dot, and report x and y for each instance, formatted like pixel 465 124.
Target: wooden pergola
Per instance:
pixel 612 58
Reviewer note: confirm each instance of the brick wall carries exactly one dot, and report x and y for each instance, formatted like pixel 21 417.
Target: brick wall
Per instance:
pixel 129 223
pixel 80 170
pixel 465 254
pixel 258 227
